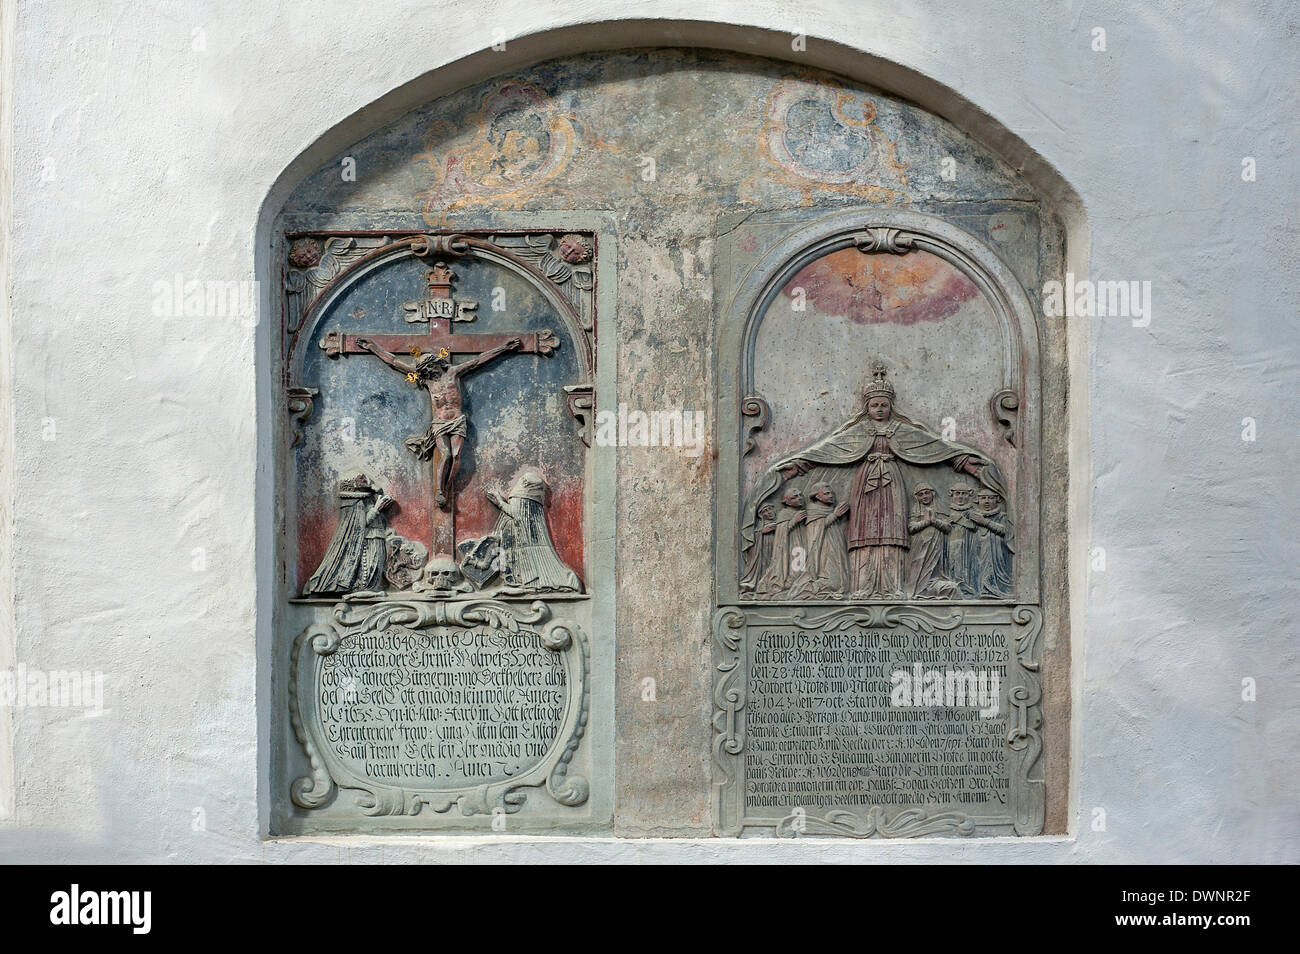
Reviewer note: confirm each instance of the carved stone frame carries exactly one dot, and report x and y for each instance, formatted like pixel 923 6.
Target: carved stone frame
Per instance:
pixel 1022 702
pixel 328 772
pixel 744 413
pixel 587 307
pixel 347 257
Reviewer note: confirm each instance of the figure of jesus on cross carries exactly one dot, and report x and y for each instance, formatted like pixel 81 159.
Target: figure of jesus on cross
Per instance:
pixel 431 367
pixel 437 375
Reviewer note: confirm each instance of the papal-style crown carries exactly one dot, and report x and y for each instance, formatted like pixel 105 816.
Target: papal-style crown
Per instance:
pixel 879 386
pixel 358 484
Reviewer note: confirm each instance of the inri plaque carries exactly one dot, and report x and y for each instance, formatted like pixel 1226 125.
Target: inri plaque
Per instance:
pixel 876 659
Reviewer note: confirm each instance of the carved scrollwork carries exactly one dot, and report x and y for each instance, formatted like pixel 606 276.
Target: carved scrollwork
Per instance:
pixel 1024 735
pixel 423 246
pixel 581 400
pixel 1005 406
pixel 917 619
pixel 758 413
pixel 381 797
pixel 565 788
pixel 314 789
pixel 728 703
pixel 557 636
pixel 421 614
pixel 1031 618
pixel 300 402
pixel 1024 698
pixel 892 241
pixel 909 823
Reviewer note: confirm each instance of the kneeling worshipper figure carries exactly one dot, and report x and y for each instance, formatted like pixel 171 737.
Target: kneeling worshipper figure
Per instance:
pixel 354 563
pixel 927 575
pixel 759 557
pixel 827 569
pixel 994 546
pixel 531 564
pixel 787 536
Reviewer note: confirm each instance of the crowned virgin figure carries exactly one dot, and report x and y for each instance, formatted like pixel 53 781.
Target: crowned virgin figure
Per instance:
pixel 875 441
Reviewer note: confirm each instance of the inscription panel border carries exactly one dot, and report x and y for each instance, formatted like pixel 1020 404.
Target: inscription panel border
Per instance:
pixel 595 308
pixel 731 660
pixel 374 797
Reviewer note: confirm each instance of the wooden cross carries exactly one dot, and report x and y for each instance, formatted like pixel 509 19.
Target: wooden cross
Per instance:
pixel 441 311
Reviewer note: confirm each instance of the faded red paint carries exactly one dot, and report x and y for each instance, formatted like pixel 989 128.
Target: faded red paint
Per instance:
pixel 564 518
pixel 883 289
pixel 475 516
pixel 409 517
pixel 315 528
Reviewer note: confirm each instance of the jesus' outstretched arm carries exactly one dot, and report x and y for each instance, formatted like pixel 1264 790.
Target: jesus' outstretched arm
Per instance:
pixel 390 359
pixel 514 344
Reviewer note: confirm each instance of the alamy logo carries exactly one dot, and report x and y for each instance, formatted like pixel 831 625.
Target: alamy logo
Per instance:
pixel 103 907
pixel 179 298
pixel 1085 298
pixel 26 688
pixel 946 688
pixel 674 428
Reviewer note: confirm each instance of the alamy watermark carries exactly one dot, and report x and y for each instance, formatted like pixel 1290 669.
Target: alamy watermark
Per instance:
pixel 1088 299
pixel 23 687
pixel 947 688
pixel 194 298
pixel 671 428
pixel 128 908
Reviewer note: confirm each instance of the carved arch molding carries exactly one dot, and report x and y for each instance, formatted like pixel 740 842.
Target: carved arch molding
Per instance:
pixel 322 266
pixel 889 232
pixel 809 643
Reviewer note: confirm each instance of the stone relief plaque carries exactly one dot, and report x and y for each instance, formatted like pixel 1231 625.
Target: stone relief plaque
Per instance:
pixel 447 615
pixel 876 658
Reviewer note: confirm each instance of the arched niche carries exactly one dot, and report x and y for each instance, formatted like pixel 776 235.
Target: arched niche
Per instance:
pixel 663 798
pixel 1011 395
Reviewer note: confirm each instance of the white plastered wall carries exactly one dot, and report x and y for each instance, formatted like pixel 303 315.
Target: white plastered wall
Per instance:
pixel 151 142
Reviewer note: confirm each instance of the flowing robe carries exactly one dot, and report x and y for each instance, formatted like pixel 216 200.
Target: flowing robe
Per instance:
pixel 532 565
pixel 785 538
pixel 878 522
pixel 357 552
pixel 827 571
pixel 927 575
pixel 994 546
pixel 853 443
pixel 758 558
pixel 963 558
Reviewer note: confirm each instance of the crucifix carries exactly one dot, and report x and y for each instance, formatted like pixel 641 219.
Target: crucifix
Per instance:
pixel 431 366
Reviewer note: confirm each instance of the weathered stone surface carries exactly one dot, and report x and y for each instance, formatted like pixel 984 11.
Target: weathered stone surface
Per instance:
pixel 585 134
pixel 439 615
pixel 882 389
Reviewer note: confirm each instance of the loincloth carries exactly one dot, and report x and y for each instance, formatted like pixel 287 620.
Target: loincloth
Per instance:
pixel 423 445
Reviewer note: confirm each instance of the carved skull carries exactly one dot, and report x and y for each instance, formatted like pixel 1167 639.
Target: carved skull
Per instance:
pixel 442 577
